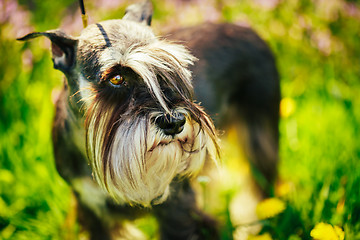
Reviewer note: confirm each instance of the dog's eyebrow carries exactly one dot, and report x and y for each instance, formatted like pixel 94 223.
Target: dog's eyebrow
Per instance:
pixel 103 32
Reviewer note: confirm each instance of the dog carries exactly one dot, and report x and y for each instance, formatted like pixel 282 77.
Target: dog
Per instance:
pixel 129 131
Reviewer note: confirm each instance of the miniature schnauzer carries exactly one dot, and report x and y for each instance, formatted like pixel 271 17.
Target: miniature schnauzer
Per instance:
pixel 128 110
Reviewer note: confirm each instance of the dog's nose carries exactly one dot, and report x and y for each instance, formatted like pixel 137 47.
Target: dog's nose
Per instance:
pixel 171 124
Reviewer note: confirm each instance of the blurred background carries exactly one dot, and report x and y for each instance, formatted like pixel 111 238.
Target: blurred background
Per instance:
pixel 317 47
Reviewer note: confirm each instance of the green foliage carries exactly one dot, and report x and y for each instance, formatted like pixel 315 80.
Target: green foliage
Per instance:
pixel 316 44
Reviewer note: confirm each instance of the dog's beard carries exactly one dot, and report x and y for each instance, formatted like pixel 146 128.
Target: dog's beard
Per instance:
pixel 135 162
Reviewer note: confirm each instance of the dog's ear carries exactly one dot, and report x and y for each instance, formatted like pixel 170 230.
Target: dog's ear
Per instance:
pixel 139 12
pixel 63 48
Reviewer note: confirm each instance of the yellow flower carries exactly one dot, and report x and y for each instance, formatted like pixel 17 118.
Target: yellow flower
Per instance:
pixel 325 231
pixel 287 107
pixel 283 188
pixel 265 236
pixel 339 232
pixel 269 208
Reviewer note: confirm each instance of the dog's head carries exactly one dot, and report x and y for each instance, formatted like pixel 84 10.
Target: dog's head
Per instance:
pixel 142 126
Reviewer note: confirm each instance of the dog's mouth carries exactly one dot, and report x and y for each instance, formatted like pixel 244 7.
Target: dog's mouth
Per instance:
pixel 185 140
pixel 166 142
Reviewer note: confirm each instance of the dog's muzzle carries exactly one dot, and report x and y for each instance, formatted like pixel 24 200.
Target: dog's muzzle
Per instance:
pixel 138 158
pixel 171 124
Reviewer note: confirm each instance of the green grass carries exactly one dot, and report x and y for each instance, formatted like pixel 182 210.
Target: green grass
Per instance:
pixel 317 50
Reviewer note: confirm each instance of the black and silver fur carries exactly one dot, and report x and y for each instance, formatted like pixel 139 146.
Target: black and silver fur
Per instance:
pixel 146 137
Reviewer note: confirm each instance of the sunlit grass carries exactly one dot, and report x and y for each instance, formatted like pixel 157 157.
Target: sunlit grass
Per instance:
pixel 316 48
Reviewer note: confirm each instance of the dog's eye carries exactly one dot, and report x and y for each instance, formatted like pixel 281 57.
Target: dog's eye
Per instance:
pixel 117 80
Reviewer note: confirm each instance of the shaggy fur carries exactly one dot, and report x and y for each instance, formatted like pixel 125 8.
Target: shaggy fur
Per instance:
pixel 127 117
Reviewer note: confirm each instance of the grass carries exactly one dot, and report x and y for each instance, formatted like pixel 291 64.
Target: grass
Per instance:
pixel 317 51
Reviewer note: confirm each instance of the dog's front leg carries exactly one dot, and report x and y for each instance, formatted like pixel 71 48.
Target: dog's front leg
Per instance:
pixel 180 218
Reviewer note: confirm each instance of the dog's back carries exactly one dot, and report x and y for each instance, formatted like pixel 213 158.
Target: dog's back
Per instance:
pixel 237 82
